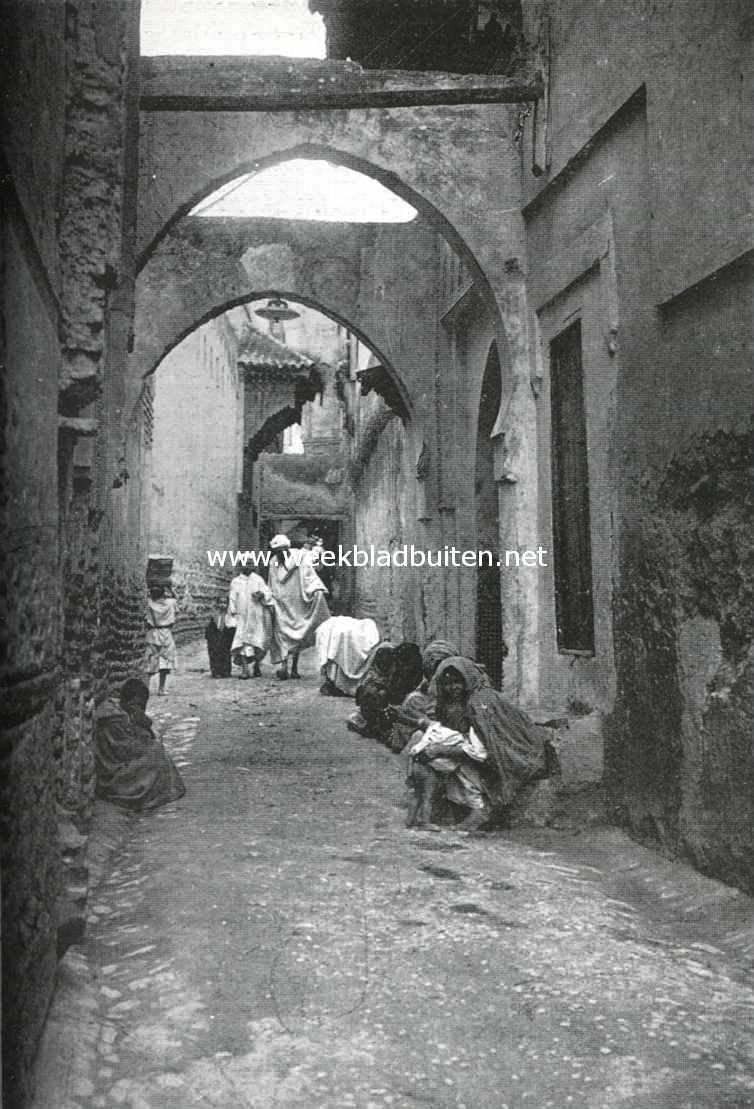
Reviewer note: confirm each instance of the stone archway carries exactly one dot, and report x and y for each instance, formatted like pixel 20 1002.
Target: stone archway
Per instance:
pixel 412 155
pixel 409 151
pixel 292 296
pixel 204 267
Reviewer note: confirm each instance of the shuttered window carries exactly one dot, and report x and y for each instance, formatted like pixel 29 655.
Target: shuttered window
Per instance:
pixel 572 555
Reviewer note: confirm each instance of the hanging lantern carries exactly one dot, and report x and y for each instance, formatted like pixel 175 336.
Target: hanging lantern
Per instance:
pixel 276 310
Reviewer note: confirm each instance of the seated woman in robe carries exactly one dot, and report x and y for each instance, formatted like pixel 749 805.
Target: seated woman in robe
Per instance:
pixel 416 708
pixel 483 751
pixel 344 652
pixel 133 768
pixel 371 693
pixel 393 671
pixel 408 671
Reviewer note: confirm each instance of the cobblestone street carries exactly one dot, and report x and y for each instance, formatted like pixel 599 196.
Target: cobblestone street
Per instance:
pixel 278 938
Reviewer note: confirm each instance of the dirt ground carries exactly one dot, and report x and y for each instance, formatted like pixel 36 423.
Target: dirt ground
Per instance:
pixel 278 938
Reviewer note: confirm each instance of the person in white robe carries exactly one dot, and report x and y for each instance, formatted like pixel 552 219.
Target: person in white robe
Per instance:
pixel 160 616
pixel 249 603
pixel 298 598
pixel 344 651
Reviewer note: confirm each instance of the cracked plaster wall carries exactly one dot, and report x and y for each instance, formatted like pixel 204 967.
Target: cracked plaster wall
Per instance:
pixel 655 139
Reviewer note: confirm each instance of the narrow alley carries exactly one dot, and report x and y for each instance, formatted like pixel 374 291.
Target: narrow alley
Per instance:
pixel 278 938
pixel 416 334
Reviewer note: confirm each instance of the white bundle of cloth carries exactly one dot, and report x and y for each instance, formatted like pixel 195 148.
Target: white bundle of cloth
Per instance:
pixel 344 648
pixel 458 763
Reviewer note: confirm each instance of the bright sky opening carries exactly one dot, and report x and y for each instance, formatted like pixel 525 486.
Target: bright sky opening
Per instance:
pixel 307 189
pixel 249 27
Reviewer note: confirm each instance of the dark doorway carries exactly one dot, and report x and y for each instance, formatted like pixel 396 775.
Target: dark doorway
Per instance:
pixel 489 621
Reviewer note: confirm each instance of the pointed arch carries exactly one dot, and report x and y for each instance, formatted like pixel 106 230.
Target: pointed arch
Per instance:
pixel 321 152
pixel 294 298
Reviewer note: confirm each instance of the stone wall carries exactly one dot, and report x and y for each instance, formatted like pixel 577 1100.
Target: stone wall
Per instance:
pixel 443 347
pixel 203 265
pixel 66 72
pixel 29 596
pixel 31 620
pixel 385 516
pixel 636 228
pixel 196 466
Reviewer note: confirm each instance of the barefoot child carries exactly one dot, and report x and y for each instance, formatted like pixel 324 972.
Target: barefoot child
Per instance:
pixel 161 611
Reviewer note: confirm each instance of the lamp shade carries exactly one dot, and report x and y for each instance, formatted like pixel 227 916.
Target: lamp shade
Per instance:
pixel 277 309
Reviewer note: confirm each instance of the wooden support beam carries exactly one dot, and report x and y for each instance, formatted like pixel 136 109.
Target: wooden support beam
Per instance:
pixel 232 84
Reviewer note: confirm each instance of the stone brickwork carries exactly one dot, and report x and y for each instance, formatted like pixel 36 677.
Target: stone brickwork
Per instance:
pixel 63 164
pixel 197 589
pixel 89 227
pixel 30 613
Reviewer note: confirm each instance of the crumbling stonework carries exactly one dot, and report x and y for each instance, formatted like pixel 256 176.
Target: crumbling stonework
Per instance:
pixel 444 36
pixel 89 228
pixel 30 615
pixel 63 145
pixel 679 754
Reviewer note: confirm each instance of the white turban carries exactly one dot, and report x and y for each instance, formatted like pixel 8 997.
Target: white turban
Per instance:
pixel 279 541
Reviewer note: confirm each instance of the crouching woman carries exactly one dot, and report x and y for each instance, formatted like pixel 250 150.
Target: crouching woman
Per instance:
pixel 478 752
pixel 133 768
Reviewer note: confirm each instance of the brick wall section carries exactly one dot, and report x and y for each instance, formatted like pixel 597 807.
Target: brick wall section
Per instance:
pixel 197 589
pixel 63 157
pixel 30 618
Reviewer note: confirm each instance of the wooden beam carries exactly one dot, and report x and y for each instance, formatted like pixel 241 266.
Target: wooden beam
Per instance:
pixel 232 84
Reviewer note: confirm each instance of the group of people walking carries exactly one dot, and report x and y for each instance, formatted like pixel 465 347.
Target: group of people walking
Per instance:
pixel 278 617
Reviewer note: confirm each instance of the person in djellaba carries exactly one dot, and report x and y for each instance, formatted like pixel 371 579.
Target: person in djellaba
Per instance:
pixel 249 604
pixel 299 604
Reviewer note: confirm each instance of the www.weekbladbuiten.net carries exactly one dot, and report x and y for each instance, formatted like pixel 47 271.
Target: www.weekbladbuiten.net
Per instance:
pixel 405 556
